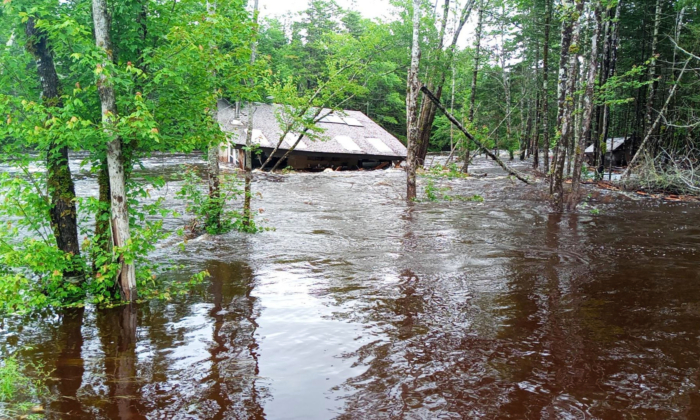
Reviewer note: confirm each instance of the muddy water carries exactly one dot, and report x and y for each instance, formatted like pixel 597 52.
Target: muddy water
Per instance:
pixel 361 307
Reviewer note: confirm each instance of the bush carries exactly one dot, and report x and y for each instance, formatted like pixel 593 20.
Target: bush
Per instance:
pixel 32 266
pixel 203 209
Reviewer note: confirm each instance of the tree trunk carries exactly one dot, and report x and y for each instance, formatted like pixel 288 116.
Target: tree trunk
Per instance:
pixel 475 75
pixel 588 106
pixel 568 10
pixel 121 234
pixel 213 170
pixel 428 111
pixel 611 71
pixel 412 88
pixel 545 86
pixel 506 89
pixel 567 67
pixel 247 215
pixel 102 225
pixel 652 67
pixel 61 189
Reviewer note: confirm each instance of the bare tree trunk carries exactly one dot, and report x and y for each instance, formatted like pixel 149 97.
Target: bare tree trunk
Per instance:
pixel 545 86
pixel 535 134
pixel 588 106
pixel 121 234
pixel 213 170
pixel 427 110
pixel 102 217
pixel 61 188
pixel 568 10
pixel 611 71
pixel 475 75
pixel 412 88
pixel 567 68
pixel 652 67
pixel 506 88
pixel 247 216
pixel 452 107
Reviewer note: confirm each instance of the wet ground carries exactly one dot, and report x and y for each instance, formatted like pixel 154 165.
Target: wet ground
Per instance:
pixel 359 306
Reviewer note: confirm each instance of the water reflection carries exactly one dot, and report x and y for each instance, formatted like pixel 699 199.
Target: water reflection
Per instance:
pixel 117 329
pixel 234 349
pixel 69 366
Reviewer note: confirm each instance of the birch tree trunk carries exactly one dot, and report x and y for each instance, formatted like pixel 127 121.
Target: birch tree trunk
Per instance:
pixel 428 110
pixel 247 219
pixel 567 68
pixel 412 89
pixel 568 10
pixel 652 67
pixel 213 171
pixel 61 189
pixel 588 106
pixel 121 235
pixel 475 75
pixel 545 81
pixel 610 70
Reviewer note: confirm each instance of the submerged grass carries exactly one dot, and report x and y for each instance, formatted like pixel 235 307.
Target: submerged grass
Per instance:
pixel 20 394
pixel 434 193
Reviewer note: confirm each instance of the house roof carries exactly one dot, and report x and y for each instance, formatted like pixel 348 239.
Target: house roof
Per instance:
pixel 616 143
pixel 344 132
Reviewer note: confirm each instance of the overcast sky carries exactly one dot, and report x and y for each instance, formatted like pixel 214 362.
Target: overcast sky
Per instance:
pixel 368 8
pixel 372 9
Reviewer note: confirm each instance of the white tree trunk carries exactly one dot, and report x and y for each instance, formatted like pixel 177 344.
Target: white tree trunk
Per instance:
pixel 652 66
pixel 213 152
pixel 588 106
pixel 412 89
pixel 115 161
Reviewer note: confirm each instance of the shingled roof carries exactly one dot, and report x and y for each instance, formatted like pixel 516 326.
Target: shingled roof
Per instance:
pixel 611 144
pixel 345 132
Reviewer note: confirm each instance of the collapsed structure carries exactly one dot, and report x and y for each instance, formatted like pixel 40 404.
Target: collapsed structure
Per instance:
pixel 619 149
pixel 349 139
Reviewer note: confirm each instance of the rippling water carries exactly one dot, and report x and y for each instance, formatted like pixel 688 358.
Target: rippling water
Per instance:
pixel 360 307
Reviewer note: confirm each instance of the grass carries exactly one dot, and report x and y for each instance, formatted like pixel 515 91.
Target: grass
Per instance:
pixel 20 394
pixel 434 193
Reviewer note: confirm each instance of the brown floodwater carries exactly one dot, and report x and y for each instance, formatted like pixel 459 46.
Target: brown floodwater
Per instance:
pixel 359 306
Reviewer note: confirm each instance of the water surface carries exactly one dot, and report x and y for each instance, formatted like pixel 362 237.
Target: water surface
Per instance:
pixel 360 306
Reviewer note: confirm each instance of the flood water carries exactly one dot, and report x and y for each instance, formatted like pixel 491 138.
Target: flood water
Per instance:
pixel 359 306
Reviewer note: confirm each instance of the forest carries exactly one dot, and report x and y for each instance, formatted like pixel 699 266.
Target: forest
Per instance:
pixel 570 98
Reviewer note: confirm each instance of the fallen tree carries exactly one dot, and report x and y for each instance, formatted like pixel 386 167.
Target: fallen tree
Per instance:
pixel 479 144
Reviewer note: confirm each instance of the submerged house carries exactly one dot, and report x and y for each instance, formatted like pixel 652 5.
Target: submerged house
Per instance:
pixel 619 148
pixel 349 139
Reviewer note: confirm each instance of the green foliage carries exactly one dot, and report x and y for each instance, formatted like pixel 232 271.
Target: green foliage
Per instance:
pixel 20 393
pixel 32 267
pixel 202 207
pixel 434 193
pixel 452 171
pixel 431 191
pixel 475 198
